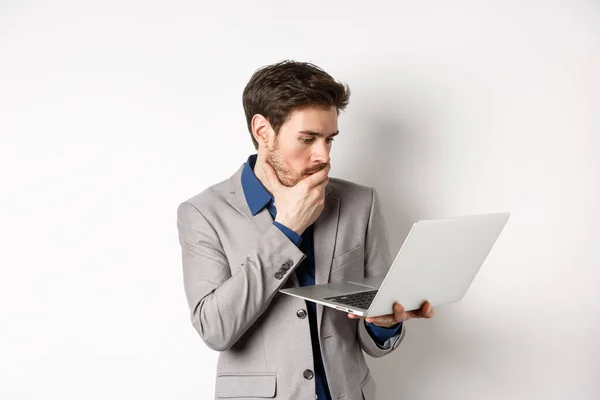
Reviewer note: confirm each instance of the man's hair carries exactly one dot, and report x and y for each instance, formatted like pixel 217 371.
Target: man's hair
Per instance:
pixel 277 90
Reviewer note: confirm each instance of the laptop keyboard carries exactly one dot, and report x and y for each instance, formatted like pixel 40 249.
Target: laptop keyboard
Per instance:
pixel 361 300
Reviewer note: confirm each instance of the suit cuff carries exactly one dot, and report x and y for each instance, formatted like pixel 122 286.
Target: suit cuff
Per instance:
pixel 293 236
pixel 381 335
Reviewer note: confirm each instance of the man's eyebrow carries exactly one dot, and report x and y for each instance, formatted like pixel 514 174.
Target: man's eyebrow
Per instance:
pixel 313 133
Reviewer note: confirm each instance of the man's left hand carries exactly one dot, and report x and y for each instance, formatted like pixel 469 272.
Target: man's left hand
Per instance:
pixel 399 315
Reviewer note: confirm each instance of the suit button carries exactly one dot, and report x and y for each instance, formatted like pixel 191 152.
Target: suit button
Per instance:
pixel 308 374
pixel 284 267
pixel 289 262
pixel 301 314
pixel 278 275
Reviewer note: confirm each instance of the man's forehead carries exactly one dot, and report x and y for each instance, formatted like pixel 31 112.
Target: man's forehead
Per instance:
pixel 312 121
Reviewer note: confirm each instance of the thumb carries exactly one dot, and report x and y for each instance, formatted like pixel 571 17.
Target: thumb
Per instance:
pixel 271 176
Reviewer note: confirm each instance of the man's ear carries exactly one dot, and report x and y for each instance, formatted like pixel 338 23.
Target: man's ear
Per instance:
pixel 261 129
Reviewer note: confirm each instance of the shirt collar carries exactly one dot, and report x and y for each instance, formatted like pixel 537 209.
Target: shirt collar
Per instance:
pixel 256 194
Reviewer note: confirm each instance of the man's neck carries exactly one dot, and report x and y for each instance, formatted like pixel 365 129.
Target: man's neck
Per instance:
pixel 260 173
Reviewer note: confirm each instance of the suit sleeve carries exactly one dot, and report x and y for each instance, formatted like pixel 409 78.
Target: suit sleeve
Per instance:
pixel 223 306
pixel 377 263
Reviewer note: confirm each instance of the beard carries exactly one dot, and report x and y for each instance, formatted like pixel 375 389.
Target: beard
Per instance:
pixel 287 176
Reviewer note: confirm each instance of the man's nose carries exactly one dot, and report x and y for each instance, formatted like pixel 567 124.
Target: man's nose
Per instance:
pixel 321 153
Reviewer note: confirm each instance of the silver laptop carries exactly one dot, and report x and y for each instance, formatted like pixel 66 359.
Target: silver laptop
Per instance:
pixel 437 262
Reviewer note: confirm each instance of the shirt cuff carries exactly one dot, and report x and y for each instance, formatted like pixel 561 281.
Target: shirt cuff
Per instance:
pixel 380 334
pixel 293 236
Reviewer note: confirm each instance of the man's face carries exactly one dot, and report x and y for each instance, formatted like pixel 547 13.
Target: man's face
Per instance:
pixel 303 144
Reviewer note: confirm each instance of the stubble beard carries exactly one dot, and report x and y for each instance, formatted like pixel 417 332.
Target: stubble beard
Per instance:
pixel 283 169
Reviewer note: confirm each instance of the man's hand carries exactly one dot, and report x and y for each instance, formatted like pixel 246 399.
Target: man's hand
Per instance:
pixel 399 315
pixel 299 206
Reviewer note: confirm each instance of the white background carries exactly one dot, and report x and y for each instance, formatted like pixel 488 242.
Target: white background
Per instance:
pixel 113 112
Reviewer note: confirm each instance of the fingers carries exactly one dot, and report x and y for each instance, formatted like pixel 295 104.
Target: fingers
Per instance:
pixel 427 310
pixel 399 315
pixel 320 189
pixel 384 320
pixel 321 177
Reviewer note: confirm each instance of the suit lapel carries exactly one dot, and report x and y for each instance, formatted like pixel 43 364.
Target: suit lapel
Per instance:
pixel 262 221
pixel 324 231
pixel 324 237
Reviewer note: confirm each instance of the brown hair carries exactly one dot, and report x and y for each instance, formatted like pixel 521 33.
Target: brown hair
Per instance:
pixel 277 90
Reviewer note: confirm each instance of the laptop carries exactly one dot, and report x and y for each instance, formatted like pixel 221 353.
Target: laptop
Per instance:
pixel 437 262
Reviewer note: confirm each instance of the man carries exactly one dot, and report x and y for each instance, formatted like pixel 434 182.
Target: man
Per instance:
pixel 280 221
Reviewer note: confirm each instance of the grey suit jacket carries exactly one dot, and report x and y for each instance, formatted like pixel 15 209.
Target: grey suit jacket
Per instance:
pixel 230 265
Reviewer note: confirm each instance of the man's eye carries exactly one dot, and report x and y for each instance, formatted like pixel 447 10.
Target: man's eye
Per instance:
pixel 330 140
pixel 306 140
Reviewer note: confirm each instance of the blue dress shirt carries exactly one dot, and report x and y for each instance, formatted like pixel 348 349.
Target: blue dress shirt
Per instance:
pixel 258 198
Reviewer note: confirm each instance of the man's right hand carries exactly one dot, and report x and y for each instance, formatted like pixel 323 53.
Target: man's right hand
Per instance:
pixel 299 206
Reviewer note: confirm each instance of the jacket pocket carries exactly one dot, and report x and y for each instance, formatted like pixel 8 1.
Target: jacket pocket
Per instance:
pixel 231 385
pixel 343 259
